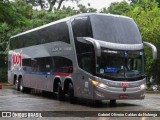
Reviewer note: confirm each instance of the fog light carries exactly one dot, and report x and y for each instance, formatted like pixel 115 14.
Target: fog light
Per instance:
pixel 99 93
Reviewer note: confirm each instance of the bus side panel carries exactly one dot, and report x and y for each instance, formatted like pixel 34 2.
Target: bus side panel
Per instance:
pixel 41 62
pixel 83 85
pixel 10 74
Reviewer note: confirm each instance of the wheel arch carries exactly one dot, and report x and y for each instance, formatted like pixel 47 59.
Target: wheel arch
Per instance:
pixel 14 79
pixel 19 77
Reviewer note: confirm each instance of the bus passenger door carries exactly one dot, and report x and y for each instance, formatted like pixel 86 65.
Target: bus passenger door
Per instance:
pixel 86 63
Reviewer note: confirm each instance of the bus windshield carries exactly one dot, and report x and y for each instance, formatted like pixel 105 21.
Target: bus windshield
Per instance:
pixel 120 64
pixel 115 29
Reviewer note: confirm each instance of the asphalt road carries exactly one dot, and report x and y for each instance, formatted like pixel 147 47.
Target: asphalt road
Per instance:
pixel 12 100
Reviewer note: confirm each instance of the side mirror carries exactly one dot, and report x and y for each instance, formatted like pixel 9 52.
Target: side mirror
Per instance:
pixel 154 49
pixel 92 41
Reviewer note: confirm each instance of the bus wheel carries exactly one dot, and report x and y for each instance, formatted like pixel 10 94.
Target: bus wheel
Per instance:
pixel 17 85
pixel 61 95
pixel 112 102
pixel 22 88
pixel 21 85
pixel 72 98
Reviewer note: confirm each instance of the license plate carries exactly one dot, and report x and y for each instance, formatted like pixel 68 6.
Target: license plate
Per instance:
pixel 124 84
pixel 123 96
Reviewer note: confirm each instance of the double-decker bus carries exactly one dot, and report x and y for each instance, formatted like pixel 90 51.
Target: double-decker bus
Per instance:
pixel 94 56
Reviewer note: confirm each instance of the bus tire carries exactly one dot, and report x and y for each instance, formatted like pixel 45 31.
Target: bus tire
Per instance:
pixel 17 85
pixel 72 98
pixel 22 88
pixel 21 85
pixel 97 103
pixel 112 102
pixel 61 95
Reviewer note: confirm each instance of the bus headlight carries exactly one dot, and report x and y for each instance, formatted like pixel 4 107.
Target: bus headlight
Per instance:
pixel 98 84
pixel 102 85
pixel 94 82
pixel 143 86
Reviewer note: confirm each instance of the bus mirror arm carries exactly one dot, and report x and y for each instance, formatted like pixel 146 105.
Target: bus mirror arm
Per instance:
pixel 96 45
pixel 94 42
pixel 154 49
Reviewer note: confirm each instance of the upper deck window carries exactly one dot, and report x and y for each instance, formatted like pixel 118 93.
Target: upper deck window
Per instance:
pixel 52 33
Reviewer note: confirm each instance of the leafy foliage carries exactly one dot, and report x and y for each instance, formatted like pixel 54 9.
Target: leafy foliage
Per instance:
pixel 119 8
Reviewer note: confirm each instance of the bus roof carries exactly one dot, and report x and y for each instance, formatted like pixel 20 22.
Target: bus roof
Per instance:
pixel 66 19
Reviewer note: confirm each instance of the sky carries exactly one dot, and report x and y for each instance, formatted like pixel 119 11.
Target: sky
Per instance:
pixel 98 4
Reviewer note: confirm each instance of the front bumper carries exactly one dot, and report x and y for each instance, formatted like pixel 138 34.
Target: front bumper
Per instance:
pixel 114 93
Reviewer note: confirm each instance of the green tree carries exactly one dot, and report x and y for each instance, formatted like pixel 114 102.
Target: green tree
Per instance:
pixel 119 8
pixel 146 14
pixel 84 9
pixel 14 17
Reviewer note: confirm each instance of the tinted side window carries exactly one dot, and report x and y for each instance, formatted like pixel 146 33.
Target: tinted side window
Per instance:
pixel 38 64
pixel 48 64
pixel 85 57
pixel 30 39
pixel 14 43
pixel 56 32
pixel 63 65
pixel 81 27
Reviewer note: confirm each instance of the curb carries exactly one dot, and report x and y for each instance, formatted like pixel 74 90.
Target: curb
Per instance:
pixel 154 92
pixel 6 84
